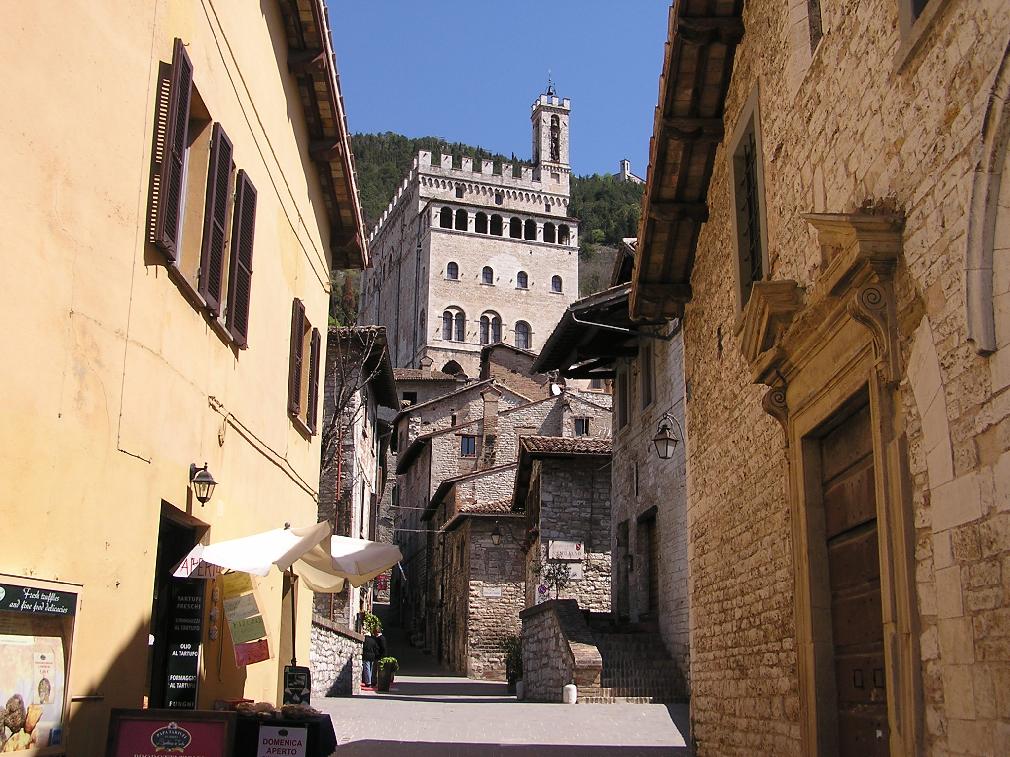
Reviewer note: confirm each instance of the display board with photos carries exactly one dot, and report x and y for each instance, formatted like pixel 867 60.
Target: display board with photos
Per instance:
pixel 36 639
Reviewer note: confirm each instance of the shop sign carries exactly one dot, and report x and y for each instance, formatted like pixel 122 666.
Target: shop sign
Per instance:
pixel 32 599
pixel 183 668
pixel 564 550
pixel 141 733
pixel 193 566
pixel 36 637
pixel 282 740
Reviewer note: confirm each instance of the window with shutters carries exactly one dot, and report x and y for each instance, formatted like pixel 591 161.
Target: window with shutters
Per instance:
pixel 747 176
pixel 303 370
pixel 204 213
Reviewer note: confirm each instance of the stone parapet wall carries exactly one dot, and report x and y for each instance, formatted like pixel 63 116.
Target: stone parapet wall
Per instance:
pixel 334 659
pixel 558 649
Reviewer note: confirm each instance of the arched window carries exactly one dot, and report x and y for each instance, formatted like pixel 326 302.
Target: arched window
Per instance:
pixel 496 226
pixel 445 218
pixel 530 230
pixel 480 223
pixel 523 335
pixel 461 220
pixel 447 326
pixel 556 284
pixel 452 270
pixel 516 228
pixel 550 234
pixel 460 326
pixel 490 328
pixel 564 234
pixel 452 368
pixel 487 275
pixel 522 280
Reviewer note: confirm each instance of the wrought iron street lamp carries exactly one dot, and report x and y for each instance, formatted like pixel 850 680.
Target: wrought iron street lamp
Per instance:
pixel 665 440
pixel 496 534
pixel 202 482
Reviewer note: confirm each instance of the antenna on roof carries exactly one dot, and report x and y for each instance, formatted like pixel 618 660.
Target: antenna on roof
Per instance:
pixel 550 84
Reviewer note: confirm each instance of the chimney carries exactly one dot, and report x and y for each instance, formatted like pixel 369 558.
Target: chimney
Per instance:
pixel 425 363
pixel 490 427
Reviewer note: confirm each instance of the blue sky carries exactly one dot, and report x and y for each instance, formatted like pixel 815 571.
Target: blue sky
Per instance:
pixel 468 71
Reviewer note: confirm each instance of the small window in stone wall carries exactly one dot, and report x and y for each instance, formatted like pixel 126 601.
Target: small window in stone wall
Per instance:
pixel 460 191
pixel 468 446
pixel 748 200
pixel 410 398
pixel 582 427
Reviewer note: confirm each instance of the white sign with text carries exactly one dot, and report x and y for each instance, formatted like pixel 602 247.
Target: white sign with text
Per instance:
pixel 564 550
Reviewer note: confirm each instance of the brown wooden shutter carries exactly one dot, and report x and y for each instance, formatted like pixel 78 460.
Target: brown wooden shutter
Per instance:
pixel 215 219
pixel 166 232
pixel 295 364
pixel 314 350
pixel 243 228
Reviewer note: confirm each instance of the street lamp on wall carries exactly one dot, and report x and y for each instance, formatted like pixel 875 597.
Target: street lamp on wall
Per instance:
pixel 666 440
pixel 202 482
pixel 496 534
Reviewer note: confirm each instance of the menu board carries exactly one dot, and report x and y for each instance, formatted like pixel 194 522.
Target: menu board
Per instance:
pixel 36 625
pixel 245 621
pixel 184 632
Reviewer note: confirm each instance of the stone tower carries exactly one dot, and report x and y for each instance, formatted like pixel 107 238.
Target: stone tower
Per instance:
pixel 550 139
pixel 470 254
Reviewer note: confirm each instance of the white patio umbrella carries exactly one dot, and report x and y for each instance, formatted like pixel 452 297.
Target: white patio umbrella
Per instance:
pixel 309 553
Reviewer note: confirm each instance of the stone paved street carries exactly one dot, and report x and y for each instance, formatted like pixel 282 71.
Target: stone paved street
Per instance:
pixel 430 713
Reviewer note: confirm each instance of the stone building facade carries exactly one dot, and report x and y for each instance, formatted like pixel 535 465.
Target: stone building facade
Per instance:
pixel 838 258
pixel 649 539
pixel 469 254
pixel 357 383
pixel 562 487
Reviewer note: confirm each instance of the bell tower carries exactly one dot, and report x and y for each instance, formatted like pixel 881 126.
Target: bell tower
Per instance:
pixel 550 140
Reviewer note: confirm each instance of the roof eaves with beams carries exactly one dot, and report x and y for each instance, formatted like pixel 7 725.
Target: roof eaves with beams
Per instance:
pixel 687 130
pixel 313 64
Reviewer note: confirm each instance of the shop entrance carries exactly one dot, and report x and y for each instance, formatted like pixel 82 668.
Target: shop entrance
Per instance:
pixel 176 616
pixel 850 530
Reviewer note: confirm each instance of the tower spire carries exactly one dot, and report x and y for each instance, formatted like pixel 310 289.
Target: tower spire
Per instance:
pixel 550 84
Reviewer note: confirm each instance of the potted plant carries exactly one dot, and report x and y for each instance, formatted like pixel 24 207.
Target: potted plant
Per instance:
pixel 371 623
pixel 512 646
pixel 387 671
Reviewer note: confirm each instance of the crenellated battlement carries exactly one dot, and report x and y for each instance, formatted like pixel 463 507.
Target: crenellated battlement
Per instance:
pixel 552 100
pixel 400 192
pixel 472 169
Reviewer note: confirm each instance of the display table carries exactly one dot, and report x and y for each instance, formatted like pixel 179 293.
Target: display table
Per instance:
pixel 322 741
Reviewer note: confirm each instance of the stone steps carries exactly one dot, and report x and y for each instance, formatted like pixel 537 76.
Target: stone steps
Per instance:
pixel 636 668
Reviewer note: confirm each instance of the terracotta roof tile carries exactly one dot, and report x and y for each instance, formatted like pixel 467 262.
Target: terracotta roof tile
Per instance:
pixel 567 445
pixel 420 374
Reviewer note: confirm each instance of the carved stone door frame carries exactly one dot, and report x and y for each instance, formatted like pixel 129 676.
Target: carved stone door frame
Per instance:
pixel 819 350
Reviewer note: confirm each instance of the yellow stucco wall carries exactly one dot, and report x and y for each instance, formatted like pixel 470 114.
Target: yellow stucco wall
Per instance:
pixel 114 382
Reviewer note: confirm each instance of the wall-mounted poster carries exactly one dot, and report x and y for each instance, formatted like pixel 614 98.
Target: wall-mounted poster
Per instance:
pixel 36 637
pixel 142 733
pixel 245 621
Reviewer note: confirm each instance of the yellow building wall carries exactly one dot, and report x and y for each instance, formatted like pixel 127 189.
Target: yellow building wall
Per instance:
pixel 114 382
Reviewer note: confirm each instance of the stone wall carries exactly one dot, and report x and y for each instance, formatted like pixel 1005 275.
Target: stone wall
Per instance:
pixel 574 505
pixel 865 123
pixel 334 659
pixel 495 593
pixel 558 649
pixel 660 489
pixel 511 367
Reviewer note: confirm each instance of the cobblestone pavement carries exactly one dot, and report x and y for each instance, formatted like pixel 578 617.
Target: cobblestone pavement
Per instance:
pixel 428 713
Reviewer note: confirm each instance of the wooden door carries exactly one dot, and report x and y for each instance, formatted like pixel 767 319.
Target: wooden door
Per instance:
pixel 850 524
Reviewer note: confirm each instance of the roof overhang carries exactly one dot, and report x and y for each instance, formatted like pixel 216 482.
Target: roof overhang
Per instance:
pixel 312 63
pixel 593 333
pixel 687 130
pixel 524 469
